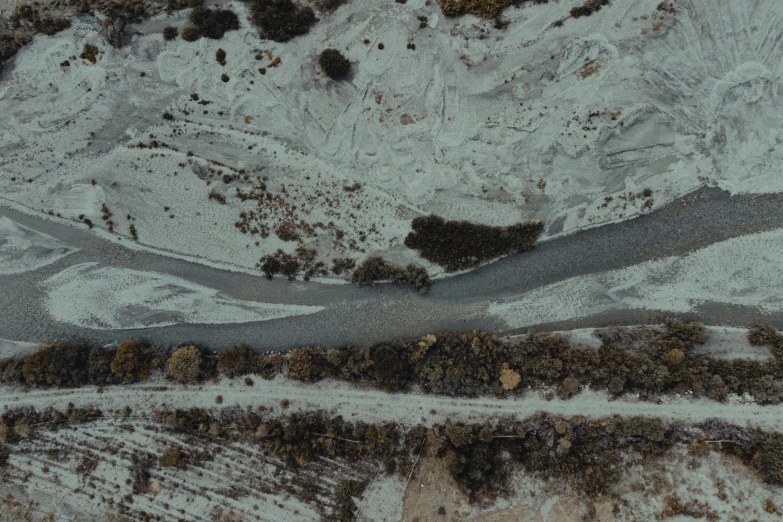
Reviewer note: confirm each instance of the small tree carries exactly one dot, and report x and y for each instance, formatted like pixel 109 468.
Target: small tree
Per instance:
pixel 185 364
pixel 334 64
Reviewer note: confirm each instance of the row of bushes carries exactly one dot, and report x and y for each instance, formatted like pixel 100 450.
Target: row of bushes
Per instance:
pixel 457 245
pixel 649 361
pixel 587 454
pixel 303 263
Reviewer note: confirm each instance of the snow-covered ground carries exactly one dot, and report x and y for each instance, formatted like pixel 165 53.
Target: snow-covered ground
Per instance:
pixel 96 296
pixel 569 125
pixel 741 271
pixel 22 249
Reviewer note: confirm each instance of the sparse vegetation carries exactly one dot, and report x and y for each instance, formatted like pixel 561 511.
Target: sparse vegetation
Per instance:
pixel 281 20
pixel 334 64
pixel 457 245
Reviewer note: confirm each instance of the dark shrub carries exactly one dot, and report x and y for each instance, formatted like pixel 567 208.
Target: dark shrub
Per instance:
pixel 99 366
pixel 334 64
pixel 456 245
pixel 375 268
pixel 212 23
pixel 588 8
pixel 237 360
pixel 170 32
pixel 282 20
pixel 391 367
pixel 58 364
pixel 291 265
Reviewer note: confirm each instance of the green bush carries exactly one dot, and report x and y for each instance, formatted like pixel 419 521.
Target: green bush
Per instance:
pixel 457 245
pixel 282 20
pixel 334 64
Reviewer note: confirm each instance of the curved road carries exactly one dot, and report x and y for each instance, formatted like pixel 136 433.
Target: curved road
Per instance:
pixel 369 315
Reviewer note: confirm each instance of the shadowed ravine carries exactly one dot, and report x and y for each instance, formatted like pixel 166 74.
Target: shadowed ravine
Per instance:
pixel 370 315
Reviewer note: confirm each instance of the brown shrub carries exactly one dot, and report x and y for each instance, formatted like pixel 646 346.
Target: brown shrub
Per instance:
pixel 308 364
pixel 509 379
pixel 132 361
pixel 190 33
pixel 171 458
pixel 185 364
pixel 342 265
pixel 457 245
pixel 763 334
pixel 90 53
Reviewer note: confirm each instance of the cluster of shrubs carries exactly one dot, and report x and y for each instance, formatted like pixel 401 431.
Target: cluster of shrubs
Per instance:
pixel 20 424
pixel 648 361
pixel 281 20
pixel 291 265
pixel 209 23
pixel 587 454
pixel 334 64
pixel 457 245
pixel 375 269
pixel 68 364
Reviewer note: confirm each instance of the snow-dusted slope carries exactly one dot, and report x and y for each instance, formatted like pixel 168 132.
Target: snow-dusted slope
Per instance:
pixel 565 124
